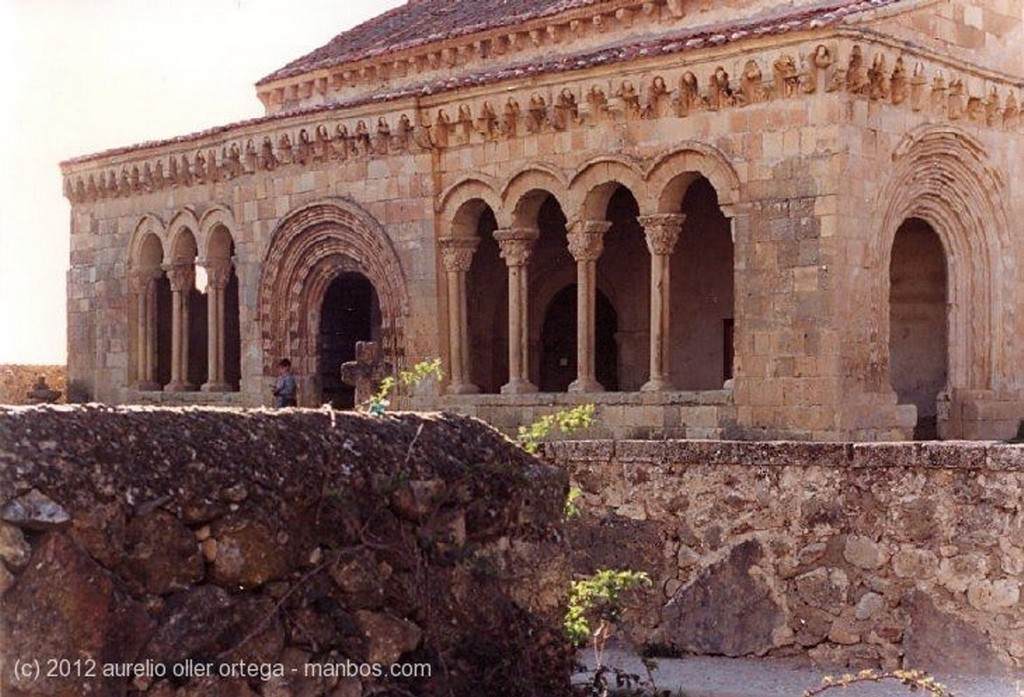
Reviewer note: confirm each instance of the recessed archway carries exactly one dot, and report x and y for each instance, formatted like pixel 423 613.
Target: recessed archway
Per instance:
pixel 918 322
pixel 558 342
pixel 350 312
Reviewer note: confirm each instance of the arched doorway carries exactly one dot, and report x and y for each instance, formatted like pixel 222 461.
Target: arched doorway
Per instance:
pixel 558 343
pixel 918 322
pixel 350 313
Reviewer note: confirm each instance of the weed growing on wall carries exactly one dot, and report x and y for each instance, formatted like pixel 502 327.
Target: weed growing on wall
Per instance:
pixel 566 421
pixel 404 382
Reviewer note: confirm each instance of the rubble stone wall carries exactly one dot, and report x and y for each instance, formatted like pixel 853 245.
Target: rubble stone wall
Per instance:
pixel 857 554
pixel 200 552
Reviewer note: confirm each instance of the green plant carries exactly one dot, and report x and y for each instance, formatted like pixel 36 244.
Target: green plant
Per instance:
pixel 571 509
pixel 424 370
pixel 566 421
pixel 914 680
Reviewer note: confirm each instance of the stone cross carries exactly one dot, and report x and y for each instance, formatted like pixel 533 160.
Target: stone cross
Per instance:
pixel 366 371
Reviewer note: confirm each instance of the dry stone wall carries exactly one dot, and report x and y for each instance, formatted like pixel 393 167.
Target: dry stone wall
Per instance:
pixel 222 552
pixel 858 554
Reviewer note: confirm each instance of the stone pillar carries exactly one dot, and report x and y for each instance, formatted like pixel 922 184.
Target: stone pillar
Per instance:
pixel 516 247
pixel 218 273
pixel 457 256
pixel 586 241
pixel 662 233
pixel 144 285
pixel 182 278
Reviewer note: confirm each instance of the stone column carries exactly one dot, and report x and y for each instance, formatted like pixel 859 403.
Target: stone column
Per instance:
pixel 586 241
pixel 457 256
pixel 662 233
pixel 144 285
pixel 516 247
pixel 182 278
pixel 218 273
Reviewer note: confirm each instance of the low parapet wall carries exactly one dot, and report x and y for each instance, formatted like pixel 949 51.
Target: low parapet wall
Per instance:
pixel 227 553
pixel 860 554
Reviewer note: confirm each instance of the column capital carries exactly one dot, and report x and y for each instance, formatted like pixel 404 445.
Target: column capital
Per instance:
pixel 181 274
pixel 662 231
pixel 586 238
pixel 218 272
pixel 457 252
pixel 516 244
pixel 141 278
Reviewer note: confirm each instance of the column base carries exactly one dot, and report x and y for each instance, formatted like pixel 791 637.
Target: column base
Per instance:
pixel 215 387
pixel 148 386
pixel 657 385
pixel 463 388
pixel 586 385
pixel 518 387
pixel 179 387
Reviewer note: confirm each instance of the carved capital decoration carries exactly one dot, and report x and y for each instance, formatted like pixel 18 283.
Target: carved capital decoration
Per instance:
pixel 586 239
pixel 457 252
pixel 141 278
pixel 661 231
pixel 218 272
pixel 182 275
pixel 516 244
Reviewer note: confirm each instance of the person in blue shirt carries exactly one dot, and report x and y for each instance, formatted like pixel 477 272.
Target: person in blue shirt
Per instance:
pixel 285 388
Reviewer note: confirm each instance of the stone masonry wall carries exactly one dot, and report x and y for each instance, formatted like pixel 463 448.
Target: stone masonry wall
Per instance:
pixel 269 553
pixel 856 554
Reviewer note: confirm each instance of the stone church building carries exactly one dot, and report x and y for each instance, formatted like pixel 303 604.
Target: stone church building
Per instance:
pixel 712 218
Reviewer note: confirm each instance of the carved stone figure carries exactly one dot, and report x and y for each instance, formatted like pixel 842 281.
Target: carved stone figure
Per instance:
pixel 720 94
pixel 284 149
pixel 857 81
pixel 382 140
pixel 786 76
pixel 597 103
pixel 487 122
pixel 441 129
pixel 898 85
pixel 321 144
pixel 464 125
pixel 939 98
pixel 752 88
pixel 402 136
pixel 304 148
pixel 536 114
pixel 268 160
pixel 361 138
pixel 659 101
pixel 510 119
pixel 689 95
pixel 918 83
pixel 342 145
pixel 565 111
pixel 878 78
pixel 955 108
pixel 630 100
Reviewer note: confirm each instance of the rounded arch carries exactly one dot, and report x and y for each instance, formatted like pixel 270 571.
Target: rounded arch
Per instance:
pixel 150 230
pixel 960 199
pixel 526 190
pixel 214 224
pixel 594 184
pixel 309 248
pixel 670 175
pixel 182 234
pixel 466 189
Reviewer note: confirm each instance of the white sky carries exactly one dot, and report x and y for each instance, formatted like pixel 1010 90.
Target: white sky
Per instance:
pixel 80 76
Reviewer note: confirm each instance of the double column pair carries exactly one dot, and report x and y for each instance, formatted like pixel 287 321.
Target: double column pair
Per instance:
pixel 586 243
pixel 181 276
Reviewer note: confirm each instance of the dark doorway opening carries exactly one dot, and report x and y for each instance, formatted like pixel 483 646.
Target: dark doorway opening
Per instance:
pixel 918 323
pixel 558 343
pixel 350 313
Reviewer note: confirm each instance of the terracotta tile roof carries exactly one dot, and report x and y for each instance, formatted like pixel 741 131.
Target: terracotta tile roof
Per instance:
pixel 422 22
pixel 818 15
